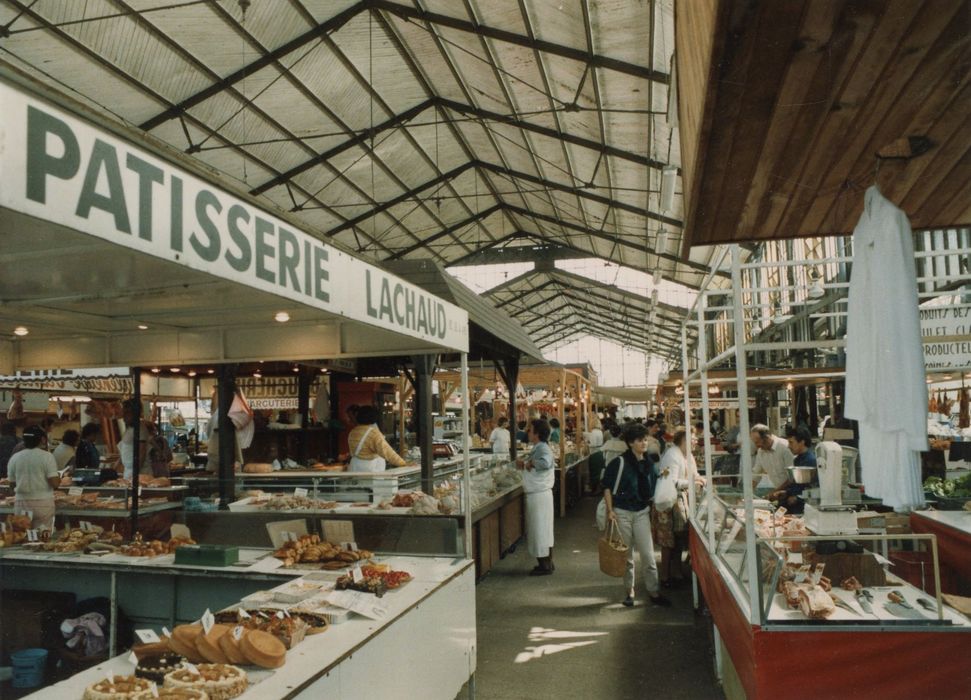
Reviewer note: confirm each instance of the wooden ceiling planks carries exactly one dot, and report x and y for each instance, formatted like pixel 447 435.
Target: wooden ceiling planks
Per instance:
pixel 800 97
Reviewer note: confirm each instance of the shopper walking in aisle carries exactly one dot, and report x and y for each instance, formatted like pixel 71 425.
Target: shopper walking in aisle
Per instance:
pixel 670 527
pixel 538 478
pixel 630 508
pixel 33 474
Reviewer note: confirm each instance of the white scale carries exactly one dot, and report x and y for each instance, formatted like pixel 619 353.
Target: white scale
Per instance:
pixel 830 516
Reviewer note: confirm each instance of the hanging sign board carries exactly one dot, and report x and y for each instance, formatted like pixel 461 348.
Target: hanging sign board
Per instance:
pixel 946 336
pixel 58 168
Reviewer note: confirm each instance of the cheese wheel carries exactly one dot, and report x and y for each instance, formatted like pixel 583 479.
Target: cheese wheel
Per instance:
pixel 263 649
pixel 229 645
pixel 183 641
pixel 208 645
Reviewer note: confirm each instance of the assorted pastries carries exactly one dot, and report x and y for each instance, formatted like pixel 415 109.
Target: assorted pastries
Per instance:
pixel 218 681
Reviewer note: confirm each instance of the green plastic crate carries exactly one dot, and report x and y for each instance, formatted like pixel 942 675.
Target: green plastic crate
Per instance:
pixel 206 555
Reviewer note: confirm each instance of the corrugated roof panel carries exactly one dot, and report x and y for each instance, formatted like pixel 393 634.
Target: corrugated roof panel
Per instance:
pixel 420 44
pixel 499 14
pixel 559 23
pixel 619 29
pixel 322 10
pixel 326 77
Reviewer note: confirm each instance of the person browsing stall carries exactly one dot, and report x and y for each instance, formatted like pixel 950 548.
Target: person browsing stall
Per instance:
pixel 33 474
pixel 370 452
pixel 772 459
pixel 539 476
pixel 126 446
pixel 630 508
pixel 800 444
pixel 670 527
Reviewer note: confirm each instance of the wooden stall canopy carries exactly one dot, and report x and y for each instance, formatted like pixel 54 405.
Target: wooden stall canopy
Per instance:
pixel 784 107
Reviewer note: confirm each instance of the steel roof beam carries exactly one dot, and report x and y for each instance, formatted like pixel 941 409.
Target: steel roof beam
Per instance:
pixel 445 231
pixel 407 12
pixel 577 191
pixel 359 138
pixel 334 23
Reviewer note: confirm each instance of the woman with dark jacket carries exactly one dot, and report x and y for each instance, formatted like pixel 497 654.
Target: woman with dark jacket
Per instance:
pixel 629 505
pixel 87 456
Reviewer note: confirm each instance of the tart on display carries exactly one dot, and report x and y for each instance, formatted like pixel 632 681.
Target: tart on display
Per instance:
pixel 182 694
pixel 119 688
pixel 219 681
pixel 208 645
pixel 183 641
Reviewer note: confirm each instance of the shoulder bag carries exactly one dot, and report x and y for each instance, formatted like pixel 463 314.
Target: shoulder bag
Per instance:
pixel 602 506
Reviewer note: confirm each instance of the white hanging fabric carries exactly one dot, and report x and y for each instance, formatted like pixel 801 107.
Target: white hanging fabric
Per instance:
pixel 886 389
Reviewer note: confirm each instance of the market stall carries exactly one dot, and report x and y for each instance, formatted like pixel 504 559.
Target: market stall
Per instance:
pixel 168 268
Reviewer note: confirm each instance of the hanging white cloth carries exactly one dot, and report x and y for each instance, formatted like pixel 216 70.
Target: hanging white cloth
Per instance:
pixel 885 378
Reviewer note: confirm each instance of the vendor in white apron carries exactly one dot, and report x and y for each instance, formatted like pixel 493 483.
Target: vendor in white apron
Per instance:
pixel 33 474
pixel 538 478
pixel 370 452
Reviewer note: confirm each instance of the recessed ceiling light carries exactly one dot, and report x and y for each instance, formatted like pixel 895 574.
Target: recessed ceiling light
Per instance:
pixel 175 369
pixel 21 331
pixel 155 370
pixel 210 371
pixel 192 373
pixel 257 375
pixel 282 317
pixel 296 369
pixel 142 327
pixel 323 371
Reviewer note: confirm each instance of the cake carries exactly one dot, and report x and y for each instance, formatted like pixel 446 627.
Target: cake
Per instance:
pixel 154 668
pixel 208 644
pixel 120 688
pixel 263 649
pixel 229 645
pixel 182 694
pixel 219 681
pixel 183 641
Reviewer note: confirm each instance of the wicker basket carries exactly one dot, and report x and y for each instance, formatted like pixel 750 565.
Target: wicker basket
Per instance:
pixel 613 552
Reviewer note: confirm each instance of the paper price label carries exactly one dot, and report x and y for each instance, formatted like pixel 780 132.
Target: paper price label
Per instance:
pixel 353 546
pixel 147 636
pixel 242 614
pixel 139 491
pixel 290 536
pixel 279 614
pixel 85 526
pixel 165 632
pixel 361 603
pixel 300 492
pixel 132 659
pixel 216 501
pixel 32 536
pixel 75 491
pixel 238 633
pixel 3 527
pixel 110 676
pixel 357 574
pixel 192 668
pixel 801 573
pixel 29 514
pixel 154 690
pixel 208 620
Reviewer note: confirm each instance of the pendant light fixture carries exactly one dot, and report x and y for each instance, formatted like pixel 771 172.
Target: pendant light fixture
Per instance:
pixel 816 290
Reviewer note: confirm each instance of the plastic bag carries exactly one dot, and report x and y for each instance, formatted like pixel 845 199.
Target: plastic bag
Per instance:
pixel 665 493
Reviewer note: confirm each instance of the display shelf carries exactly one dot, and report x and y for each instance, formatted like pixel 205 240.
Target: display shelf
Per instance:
pixel 344 661
pixel 106 512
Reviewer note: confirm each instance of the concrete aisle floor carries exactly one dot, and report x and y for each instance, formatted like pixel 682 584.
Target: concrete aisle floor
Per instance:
pixel 568 636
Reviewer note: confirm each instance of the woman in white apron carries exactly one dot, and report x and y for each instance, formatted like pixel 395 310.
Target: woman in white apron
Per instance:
pixel 370 452
pixel 33 474
pixel 538 478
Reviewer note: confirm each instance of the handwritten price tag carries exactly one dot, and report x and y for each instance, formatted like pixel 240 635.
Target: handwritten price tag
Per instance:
pixel 147 636
pixel 300 492
pixel 75 491
pixel 132 659
pixel 208 620
pixel 154 690
pixel 32 536
pixel 357 574
pixel 243 615
pixel 237 633
pixel 165 632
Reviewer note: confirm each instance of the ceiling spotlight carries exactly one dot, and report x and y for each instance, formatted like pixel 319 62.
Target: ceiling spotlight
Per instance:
pixel 21 331
pixel 816 290
pixel 155 370
pixel 192 373
pixel 777 315
pixel 175 370
pixel 210 371
pixel 296 369
pixel 142 327
pixel 324 370
pixel 257 375
pixel 281 317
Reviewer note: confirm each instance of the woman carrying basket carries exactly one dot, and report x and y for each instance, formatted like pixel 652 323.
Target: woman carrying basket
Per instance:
pixel 629 506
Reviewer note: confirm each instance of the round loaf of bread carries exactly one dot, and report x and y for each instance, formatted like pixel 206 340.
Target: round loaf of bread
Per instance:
pixel 263 649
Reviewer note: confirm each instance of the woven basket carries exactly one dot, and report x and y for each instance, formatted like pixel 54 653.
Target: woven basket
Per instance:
pixel 613 552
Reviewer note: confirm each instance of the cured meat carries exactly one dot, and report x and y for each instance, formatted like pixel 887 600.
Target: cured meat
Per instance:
pixel 815 603
pixel 851 584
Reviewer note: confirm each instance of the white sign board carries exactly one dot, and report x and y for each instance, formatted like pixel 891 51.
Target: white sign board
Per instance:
pixel 58 168
pixel 949 324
